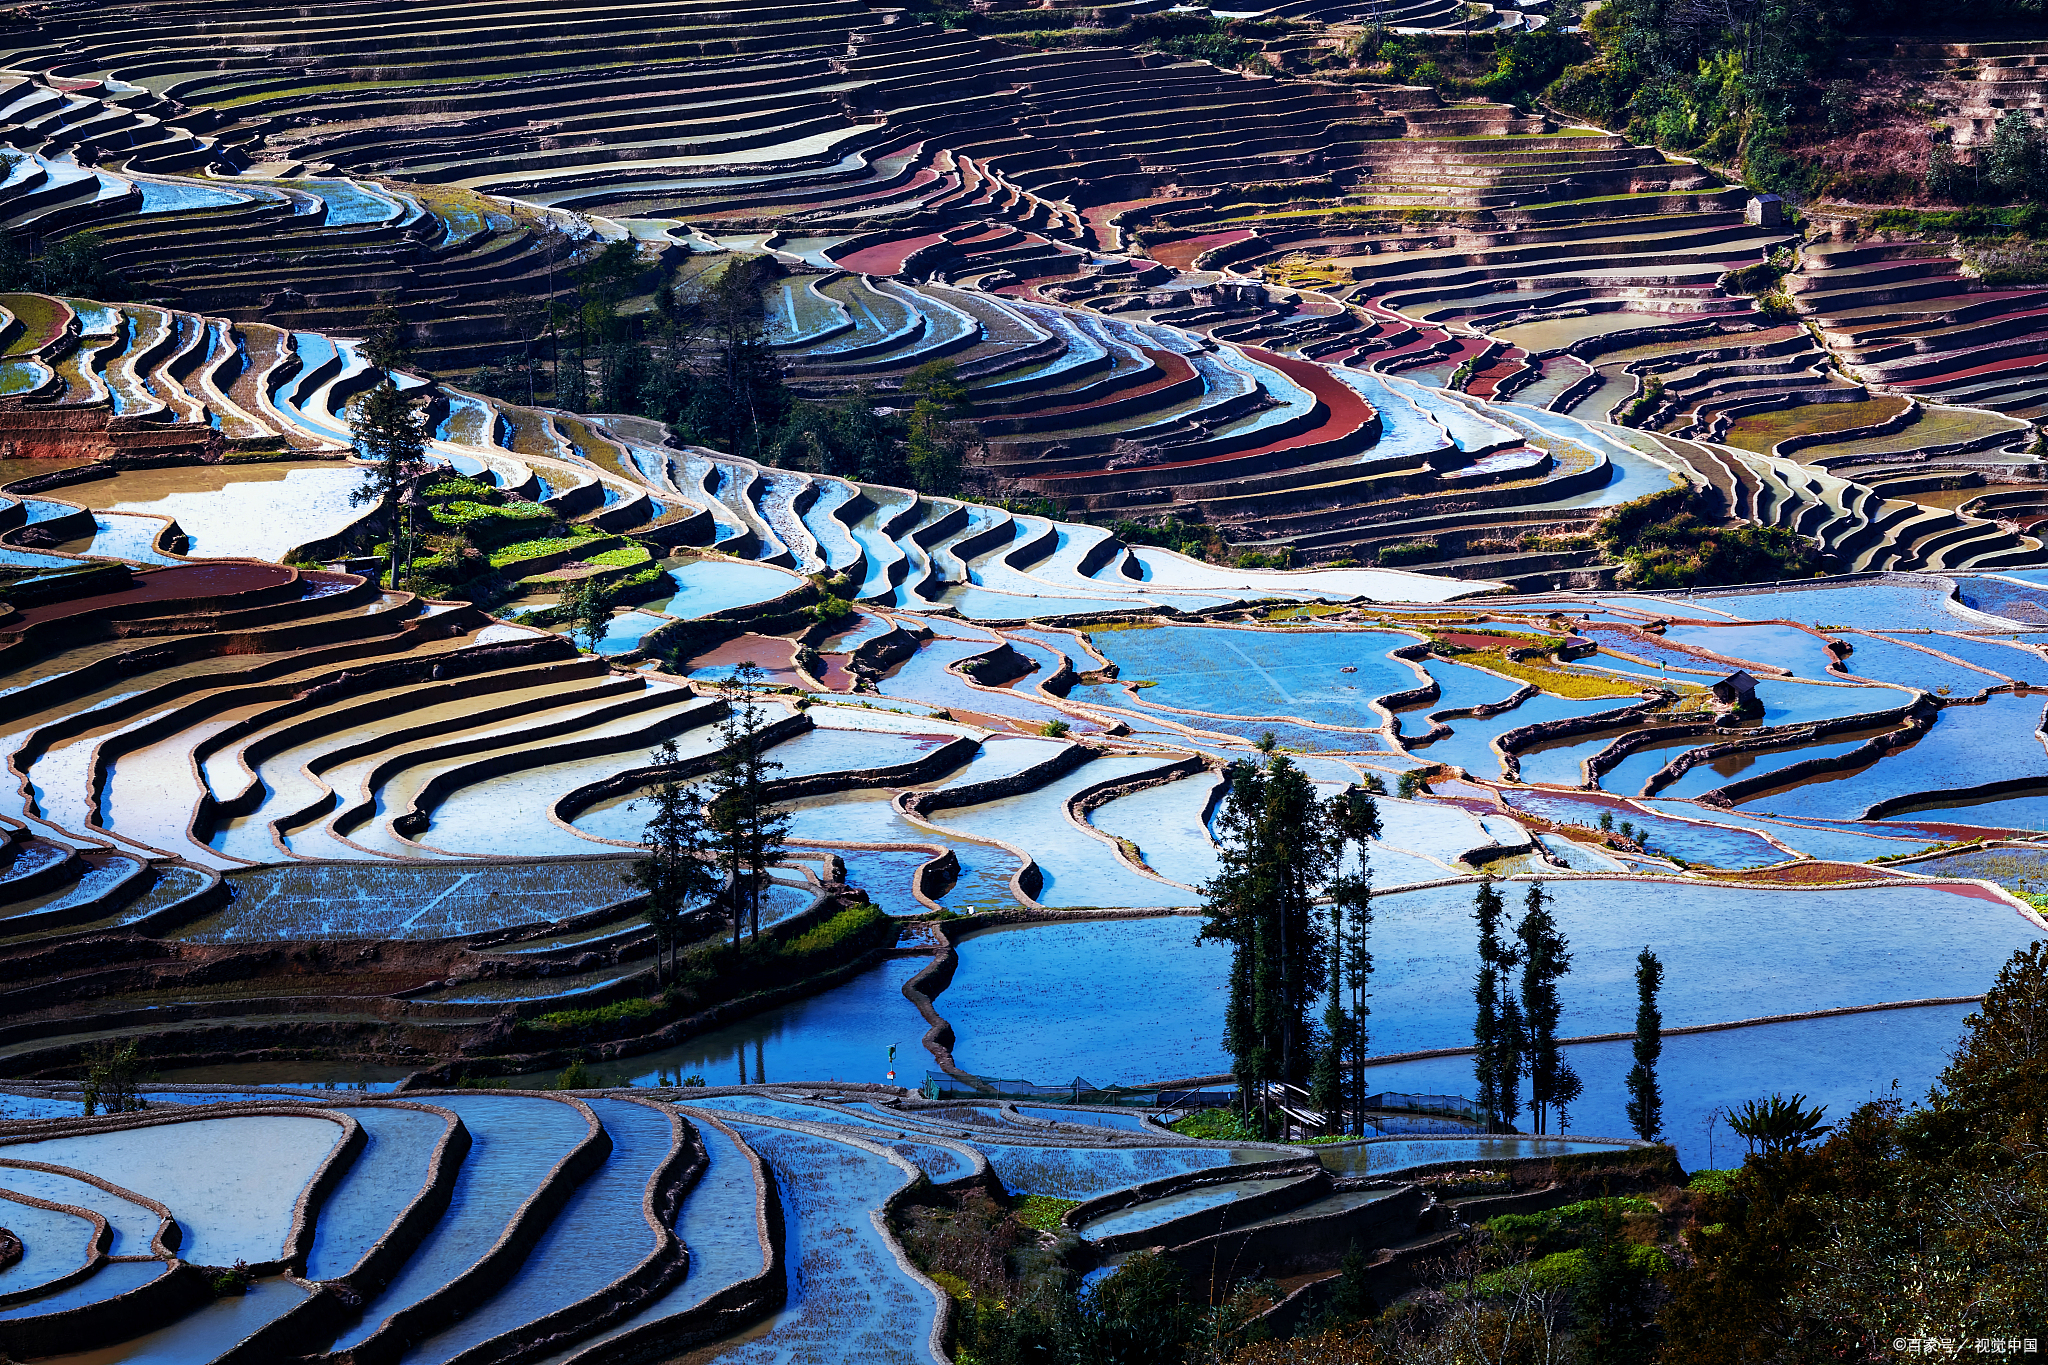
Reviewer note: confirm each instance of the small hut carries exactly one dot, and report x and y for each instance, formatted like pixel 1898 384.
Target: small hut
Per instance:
pixel 1737 689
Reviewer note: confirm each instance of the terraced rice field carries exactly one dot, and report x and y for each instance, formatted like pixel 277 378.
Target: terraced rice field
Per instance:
pixel 282 816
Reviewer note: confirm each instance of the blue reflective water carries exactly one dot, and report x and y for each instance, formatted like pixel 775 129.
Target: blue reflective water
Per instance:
pixel 162 196
pixel 850 1299
pixel 515 1142
pixel 388 1174
pixel 1866 606
pixel 600 1235
pixel 1731 952
pixel 1384 1158
pixel 202 1335
pixel 1899 662
pixel 1839 1062
pixel 1263 673
pixel 842 1034
pixel 1970 745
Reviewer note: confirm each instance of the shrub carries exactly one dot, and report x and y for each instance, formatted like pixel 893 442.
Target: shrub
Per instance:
pixel 1665 544
pixel 1413 552
pixel 1646 402
pixel 1776 306
pixel 1216 1125
pixel 563 1021
pixel 1569 1228
pixel 1054 729
pixel 576 1076
pixel 826 610
pixel 113 1076
pixel 849 923
pixel 1713 1182
pixel 1755 279
pixel 1041 1211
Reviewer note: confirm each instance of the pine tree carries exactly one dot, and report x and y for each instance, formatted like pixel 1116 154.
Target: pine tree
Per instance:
pixel 1514 1041
pixel 936 449
pixel 389 343
pixel 2015 156
pixel 1544 958
pixel 587 606
pixel 1356 816
pixel 1275 856
pixel 1351 1300
pixel 1493 1057
pixel 1338 1089
pixel 747 829
pixel 391 436
pixel 1645 1102
pixel 1357 975
pixel 674 873
pixel 1327 1087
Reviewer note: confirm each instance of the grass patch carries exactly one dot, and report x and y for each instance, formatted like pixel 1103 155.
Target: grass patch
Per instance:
pixel 1567 1228
pixel 1713 1182
pixel 38 318
pixel 534 549
pixel 849 922
pixel 1562 1271
pixel 561 1021
pixel 1215 1125
pixel 1041 1211
pixel 1556 681
pixel 1761 430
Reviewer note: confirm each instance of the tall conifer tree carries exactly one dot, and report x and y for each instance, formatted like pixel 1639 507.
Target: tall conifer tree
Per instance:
pixel 1545 957
pixel 747 830
pixel 673 874
pixel 391 436
pixel 1275 856
pixel 1496 1047
pixel 1645 1101
pixel 1339 1088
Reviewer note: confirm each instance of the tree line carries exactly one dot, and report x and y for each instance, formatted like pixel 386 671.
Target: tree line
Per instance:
pixel 1292 899
pixel 1752 84
pixel 723 836
pixel 700 362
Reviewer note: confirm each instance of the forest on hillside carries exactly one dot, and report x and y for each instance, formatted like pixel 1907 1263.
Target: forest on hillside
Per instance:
pixel 1781 92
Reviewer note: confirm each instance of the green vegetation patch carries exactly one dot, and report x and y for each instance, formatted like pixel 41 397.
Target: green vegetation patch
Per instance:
pixel 1572 1227
pixel 1762 430
pixel 1666 544
pixel 1041 1211
pixel 534 549
pixel 487 525
pixel 850 923
pixel 562 1021
pixel 463 487
pixel 1215 1125
pixel 1563 1271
